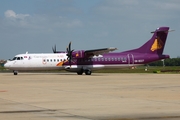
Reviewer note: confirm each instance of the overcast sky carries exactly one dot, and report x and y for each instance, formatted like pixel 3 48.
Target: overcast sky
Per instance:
pixel 37 25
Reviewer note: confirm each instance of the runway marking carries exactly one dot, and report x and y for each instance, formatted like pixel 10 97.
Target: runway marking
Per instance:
pixel 26 111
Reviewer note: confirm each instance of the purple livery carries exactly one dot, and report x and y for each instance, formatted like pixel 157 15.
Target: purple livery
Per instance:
pixel 86 61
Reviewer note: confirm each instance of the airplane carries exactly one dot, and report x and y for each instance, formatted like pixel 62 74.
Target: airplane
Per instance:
pixel 86 61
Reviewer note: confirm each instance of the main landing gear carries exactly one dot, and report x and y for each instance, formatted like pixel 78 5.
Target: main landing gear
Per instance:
pixel 87 72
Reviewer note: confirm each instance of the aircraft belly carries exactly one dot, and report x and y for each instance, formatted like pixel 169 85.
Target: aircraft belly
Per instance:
pixel 75 68
pixel 120 65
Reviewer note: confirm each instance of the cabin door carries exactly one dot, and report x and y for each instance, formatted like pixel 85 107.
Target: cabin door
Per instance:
pixel 130 59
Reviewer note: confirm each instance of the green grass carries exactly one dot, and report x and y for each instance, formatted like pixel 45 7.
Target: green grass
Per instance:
pixel 141 69
pixel 2 68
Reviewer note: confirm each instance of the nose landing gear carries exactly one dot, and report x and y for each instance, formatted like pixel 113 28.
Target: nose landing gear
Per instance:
pixel 15 72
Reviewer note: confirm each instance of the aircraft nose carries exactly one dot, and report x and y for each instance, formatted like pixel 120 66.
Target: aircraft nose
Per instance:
pixel 6 65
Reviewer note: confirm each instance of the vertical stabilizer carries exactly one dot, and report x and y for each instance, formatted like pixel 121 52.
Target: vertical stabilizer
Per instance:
pixel 156 44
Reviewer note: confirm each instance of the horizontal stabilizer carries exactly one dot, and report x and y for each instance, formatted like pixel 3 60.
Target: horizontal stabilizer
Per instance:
pixel 162 31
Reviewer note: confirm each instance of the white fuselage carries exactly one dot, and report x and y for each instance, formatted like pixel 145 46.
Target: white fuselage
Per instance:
pixel 59 61
pixel 37 61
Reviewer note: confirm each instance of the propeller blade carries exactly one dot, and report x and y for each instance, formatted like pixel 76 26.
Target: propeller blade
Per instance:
pixel 67 49
pixel 69 53
pixel 54 49
pixel 70 46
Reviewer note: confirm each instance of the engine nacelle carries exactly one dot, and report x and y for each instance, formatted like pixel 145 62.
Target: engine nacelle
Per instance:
pixel 78 54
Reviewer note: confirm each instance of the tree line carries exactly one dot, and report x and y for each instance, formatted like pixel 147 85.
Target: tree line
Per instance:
pixel 166 62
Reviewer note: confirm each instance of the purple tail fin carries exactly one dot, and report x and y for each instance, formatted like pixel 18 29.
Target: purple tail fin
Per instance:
pixel 156 44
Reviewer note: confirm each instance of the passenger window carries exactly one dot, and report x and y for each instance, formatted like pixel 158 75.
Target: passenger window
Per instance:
pixel 54 60
pixel 124 59
pixel 21 58
pixel 47 60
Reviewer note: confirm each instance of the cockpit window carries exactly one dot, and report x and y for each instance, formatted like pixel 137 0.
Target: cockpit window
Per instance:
pixel 17 58
pixel 14 58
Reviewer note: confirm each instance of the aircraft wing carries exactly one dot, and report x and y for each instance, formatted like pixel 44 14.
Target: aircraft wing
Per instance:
pixel 99 51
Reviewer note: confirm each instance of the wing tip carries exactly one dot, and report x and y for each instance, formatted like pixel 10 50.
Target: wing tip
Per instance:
pixel 112 48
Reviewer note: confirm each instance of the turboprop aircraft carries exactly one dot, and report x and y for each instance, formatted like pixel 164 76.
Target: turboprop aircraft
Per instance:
pixel 85 61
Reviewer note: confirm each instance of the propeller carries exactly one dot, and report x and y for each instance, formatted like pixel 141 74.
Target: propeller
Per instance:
pixel 69 53
pixel 54 49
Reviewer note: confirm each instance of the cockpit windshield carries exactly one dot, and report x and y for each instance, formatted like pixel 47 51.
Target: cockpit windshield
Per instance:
pixel 14 58
pixel 17 58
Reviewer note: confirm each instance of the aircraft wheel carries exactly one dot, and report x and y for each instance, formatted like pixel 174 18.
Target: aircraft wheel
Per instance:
pixel 80 72
pixel 88 72
pixel 15 72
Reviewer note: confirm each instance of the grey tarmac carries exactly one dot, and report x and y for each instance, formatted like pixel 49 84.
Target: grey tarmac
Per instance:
pixel 66 96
